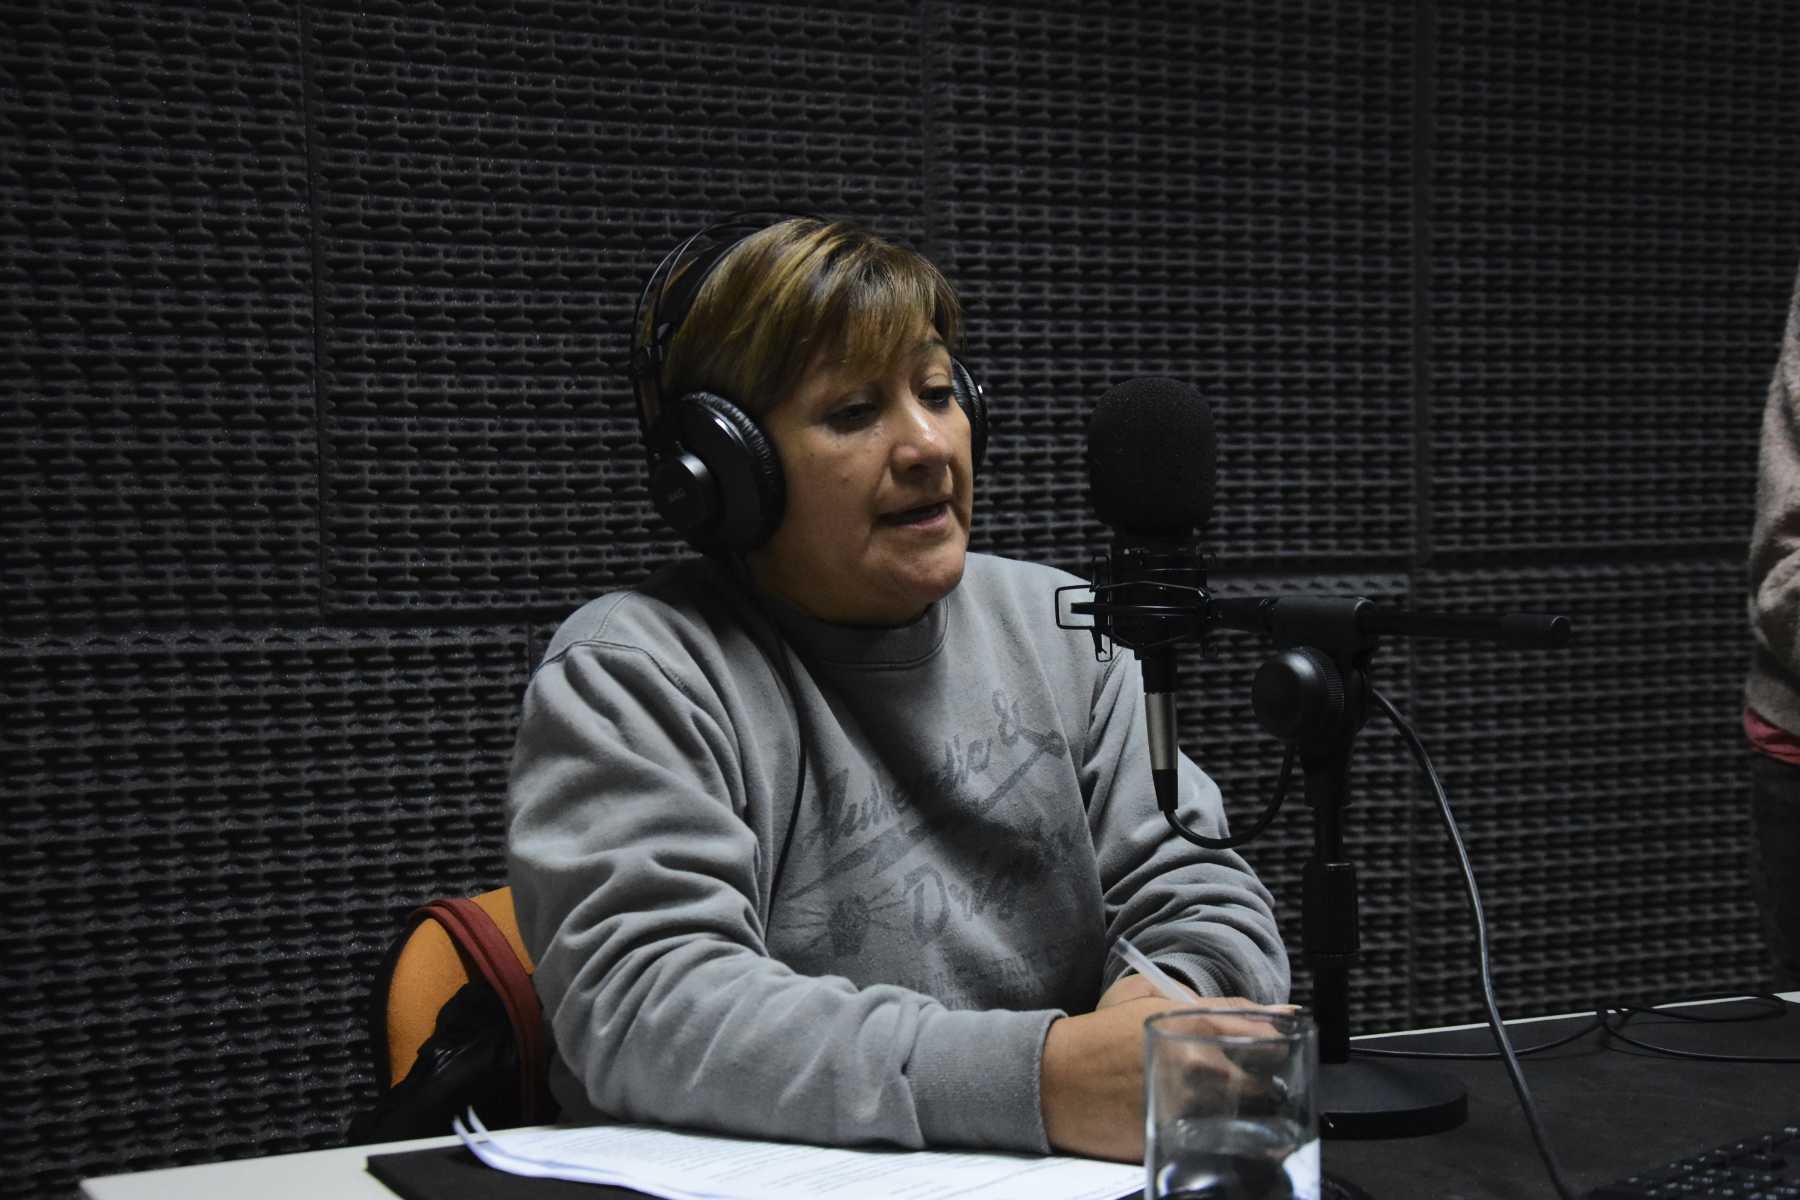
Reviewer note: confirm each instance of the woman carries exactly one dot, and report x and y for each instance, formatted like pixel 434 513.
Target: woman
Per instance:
pixel 825 837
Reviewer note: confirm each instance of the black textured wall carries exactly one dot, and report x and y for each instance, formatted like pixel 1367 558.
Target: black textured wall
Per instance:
pixel 309 313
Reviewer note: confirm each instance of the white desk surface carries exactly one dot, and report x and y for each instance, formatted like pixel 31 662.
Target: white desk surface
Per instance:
pixel 337 1173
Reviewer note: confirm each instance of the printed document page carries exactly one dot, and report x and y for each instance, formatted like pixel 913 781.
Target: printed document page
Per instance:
pixel 691 1166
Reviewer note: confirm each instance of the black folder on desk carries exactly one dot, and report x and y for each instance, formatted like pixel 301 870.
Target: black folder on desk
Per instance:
pixel 452 1173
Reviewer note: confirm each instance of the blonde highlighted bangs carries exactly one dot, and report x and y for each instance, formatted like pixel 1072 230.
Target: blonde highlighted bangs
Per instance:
pixel 800 293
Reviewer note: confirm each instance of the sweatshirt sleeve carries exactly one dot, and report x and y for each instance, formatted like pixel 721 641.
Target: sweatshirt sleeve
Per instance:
pixel 1774 563
pixel 1201 914
pixel 637 875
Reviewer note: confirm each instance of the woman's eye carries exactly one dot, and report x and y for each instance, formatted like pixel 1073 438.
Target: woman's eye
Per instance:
pixel 852 415
pixel 938 397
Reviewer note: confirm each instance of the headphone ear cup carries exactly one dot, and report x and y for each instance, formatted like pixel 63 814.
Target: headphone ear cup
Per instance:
pixel 746 473
pixel 973 400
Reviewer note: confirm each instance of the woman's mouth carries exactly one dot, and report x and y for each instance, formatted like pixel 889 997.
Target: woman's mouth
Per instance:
pixel 922 517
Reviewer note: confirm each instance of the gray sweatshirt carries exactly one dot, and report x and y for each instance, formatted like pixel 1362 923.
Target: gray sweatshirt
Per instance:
pixel 1773 686
pixel 873 951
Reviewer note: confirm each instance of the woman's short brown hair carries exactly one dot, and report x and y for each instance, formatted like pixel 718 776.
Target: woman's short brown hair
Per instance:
pixel 787 293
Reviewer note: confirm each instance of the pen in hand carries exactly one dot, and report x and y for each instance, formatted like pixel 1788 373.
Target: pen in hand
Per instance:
pixel 1140 963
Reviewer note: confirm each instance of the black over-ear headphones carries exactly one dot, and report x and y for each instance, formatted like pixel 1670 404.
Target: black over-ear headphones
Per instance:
pixel 715 477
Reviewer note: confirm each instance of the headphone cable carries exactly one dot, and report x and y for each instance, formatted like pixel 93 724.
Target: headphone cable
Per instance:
pixel 737 570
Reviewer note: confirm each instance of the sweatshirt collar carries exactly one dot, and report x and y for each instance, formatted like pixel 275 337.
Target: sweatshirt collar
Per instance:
pixel 864 646
pixel 861 645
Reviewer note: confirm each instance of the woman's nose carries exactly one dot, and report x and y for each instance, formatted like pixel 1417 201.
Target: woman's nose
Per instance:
pixel 925 436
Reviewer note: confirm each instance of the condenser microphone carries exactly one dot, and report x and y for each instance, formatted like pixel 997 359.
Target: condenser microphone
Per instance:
pixel 1150 457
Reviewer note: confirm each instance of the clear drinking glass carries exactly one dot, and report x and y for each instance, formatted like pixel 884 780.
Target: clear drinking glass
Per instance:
pixel 1229 1105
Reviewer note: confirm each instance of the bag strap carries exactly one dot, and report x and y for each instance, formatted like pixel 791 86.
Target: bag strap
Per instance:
pixel 486 951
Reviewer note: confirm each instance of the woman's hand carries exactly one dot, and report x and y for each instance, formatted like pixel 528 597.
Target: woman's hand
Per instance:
pixel 1132 986
pixel 1091 1084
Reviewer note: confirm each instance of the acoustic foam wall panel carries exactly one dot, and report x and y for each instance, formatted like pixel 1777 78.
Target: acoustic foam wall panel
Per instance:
pixel 157 452
pixel 1614 222
pixel 1221 195
pixel 495 184
pixel 211 836
pixel 1602 790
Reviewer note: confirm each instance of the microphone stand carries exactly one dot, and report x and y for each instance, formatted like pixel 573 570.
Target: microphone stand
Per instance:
pixel 1313 694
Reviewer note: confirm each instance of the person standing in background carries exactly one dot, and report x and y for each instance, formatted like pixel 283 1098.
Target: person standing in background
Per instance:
pixel 1772 691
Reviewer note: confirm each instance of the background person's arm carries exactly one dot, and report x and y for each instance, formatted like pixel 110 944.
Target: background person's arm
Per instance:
pixel 1774 566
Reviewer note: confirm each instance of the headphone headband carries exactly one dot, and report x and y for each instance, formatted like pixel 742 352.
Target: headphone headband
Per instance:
pixel 647 358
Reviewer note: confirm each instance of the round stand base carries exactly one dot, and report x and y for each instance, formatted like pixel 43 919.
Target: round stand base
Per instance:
pixel 1379 1099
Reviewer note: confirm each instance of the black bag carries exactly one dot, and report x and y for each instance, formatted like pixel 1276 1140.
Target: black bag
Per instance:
pixel 488 1051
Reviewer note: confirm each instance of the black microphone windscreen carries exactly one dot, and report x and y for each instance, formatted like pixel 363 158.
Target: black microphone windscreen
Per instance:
pixel 1150 458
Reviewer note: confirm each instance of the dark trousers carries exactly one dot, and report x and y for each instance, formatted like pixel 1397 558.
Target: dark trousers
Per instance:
pixel 1775 863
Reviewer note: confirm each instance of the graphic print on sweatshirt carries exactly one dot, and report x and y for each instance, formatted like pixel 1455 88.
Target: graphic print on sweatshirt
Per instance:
pixel 969 883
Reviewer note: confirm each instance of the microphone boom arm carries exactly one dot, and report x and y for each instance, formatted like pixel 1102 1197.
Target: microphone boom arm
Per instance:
pixel 1316 620
pixel 1186 612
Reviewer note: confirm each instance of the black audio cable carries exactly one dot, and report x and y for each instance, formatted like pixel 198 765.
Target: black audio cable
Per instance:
pixel 1532 1120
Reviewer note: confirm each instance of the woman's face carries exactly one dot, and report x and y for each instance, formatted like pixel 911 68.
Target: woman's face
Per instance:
pixel 878 490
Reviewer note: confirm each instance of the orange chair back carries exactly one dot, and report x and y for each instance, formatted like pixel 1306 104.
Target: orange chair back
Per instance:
pixel 427 972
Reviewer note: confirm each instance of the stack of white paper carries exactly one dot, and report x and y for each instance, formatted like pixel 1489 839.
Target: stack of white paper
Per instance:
pixel 692 1166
